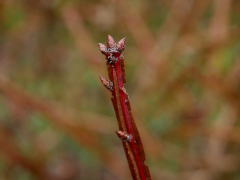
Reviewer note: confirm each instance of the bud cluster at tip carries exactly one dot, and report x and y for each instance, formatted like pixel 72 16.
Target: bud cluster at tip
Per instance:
pixel 112 47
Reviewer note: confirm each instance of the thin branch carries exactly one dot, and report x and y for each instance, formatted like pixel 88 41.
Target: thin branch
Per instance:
pixel 128 131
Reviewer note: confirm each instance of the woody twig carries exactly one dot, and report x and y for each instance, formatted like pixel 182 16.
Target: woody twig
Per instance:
pixel 128 131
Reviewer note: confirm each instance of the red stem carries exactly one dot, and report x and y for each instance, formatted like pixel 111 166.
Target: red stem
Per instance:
pixel 117 69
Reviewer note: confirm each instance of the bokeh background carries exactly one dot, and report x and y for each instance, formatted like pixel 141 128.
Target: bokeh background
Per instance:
pixel 183 78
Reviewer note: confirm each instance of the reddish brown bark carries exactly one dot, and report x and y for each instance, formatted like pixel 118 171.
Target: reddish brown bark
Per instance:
pixel 128 131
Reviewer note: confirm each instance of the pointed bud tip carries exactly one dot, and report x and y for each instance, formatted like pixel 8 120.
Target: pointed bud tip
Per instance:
pixel 123 39
pixel 110 37
pixel 120 134
pixel 103 80
pixel 110 42
pixel 121 45
pixel 102 48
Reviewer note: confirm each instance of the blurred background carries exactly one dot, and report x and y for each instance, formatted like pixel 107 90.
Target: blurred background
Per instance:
pixel 183 78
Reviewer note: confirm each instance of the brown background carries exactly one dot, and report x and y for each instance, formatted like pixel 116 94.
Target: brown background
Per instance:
pixel 183 79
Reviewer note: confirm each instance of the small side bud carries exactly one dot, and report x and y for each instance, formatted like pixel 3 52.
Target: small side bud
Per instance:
pixel 107 83
pixel 110 42
pixel 121 45
pixel 123 136
pixel 102 48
